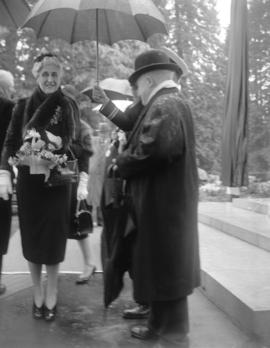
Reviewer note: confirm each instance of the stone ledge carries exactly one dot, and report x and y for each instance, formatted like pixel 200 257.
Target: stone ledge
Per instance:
pixel 251 227
pixel 236 277
pixel 257 205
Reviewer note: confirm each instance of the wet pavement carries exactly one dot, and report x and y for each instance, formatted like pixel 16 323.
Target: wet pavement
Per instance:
pixel 83 322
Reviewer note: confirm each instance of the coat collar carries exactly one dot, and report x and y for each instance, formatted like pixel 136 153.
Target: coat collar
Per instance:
pixel 164 84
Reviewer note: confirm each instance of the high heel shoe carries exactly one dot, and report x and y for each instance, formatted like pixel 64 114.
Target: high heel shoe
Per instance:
pixel 83 279
pixel 37 311
pixel 50 314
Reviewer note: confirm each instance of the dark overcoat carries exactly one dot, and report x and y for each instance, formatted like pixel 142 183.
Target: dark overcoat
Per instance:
pixel 6 107
pixel 160 167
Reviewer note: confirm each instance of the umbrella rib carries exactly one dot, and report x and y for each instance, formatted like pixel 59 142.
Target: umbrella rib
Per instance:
pixel 73 26
pixel 145 38
pixel 108 32
pixel 44 20
pixel 9 12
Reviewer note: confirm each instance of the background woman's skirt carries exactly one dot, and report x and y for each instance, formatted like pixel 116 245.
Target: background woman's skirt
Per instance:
pixel 73 233
pixel 44 216
pixel 5 224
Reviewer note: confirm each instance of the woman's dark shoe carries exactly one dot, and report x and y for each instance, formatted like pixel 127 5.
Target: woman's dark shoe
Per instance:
pixel 84 278
pixel 37 311
pixel 50 314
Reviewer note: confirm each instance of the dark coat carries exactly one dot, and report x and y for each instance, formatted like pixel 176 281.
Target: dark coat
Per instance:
pixel 160 167
pixel 6 107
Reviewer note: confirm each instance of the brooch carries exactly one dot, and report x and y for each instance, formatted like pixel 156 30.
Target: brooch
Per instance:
pixel 56 116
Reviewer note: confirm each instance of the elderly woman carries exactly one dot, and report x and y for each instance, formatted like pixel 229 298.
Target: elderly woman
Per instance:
pixel 44 210
pixel 6 106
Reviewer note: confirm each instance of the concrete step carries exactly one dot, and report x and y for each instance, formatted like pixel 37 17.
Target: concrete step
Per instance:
pixel 248 226
pixel 236 277
pixel 257 205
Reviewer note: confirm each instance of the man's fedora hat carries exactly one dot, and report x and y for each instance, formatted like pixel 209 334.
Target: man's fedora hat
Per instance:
pixel 152 60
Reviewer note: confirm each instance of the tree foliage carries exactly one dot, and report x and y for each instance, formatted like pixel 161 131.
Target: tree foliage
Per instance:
pixel 194 34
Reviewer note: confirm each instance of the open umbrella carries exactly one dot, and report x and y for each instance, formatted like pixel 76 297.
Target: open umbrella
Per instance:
pixel 116 89
pixel 106 21
pixel 234 141
pixel 13 12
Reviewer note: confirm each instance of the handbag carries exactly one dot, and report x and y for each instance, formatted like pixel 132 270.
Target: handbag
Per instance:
pixel 83 220
pixel 67 174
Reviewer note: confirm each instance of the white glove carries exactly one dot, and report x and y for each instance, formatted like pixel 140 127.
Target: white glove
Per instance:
pixel 56 140
pixel 82 191
pixel 5 184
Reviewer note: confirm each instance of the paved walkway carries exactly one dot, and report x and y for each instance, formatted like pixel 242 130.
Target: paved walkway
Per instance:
pixel 83 322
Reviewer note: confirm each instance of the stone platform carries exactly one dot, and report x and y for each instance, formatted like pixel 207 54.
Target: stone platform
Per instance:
pixel 235 255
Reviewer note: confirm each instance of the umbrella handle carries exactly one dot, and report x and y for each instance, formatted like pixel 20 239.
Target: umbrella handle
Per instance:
pixel 97 46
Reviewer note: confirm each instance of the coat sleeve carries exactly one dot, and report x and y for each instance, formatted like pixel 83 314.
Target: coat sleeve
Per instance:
pixel 125 120
pixel 159 142
pixel 13 139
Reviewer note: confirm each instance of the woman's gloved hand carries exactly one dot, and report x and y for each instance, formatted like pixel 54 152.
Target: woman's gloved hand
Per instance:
pixel 5 184
pixel 82 191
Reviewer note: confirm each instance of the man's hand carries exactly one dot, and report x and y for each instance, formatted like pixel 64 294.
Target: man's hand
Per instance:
pixel 99 96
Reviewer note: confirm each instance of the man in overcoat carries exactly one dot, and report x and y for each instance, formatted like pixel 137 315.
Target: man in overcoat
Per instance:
pixel 6 107
pixel 159 165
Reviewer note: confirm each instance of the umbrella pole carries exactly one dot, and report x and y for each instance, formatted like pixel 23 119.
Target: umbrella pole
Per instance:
pixel 97 48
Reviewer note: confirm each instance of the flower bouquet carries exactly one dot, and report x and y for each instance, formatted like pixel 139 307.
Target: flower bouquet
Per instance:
pixel 38 154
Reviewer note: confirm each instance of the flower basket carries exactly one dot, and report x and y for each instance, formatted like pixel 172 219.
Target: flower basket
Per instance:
pixel 40 166
pixel 38 155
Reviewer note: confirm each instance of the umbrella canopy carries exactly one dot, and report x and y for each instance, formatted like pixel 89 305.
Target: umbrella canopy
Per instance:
pixel 234 140
pixel 77 20
pixel 106 21
pixel 116 89
pixel 13 12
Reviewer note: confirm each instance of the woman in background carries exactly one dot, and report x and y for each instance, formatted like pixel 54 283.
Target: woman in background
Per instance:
pixel 83 139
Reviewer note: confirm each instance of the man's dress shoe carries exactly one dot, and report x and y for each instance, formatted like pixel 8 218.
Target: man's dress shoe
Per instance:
pixel 143 333
pixel 138 312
